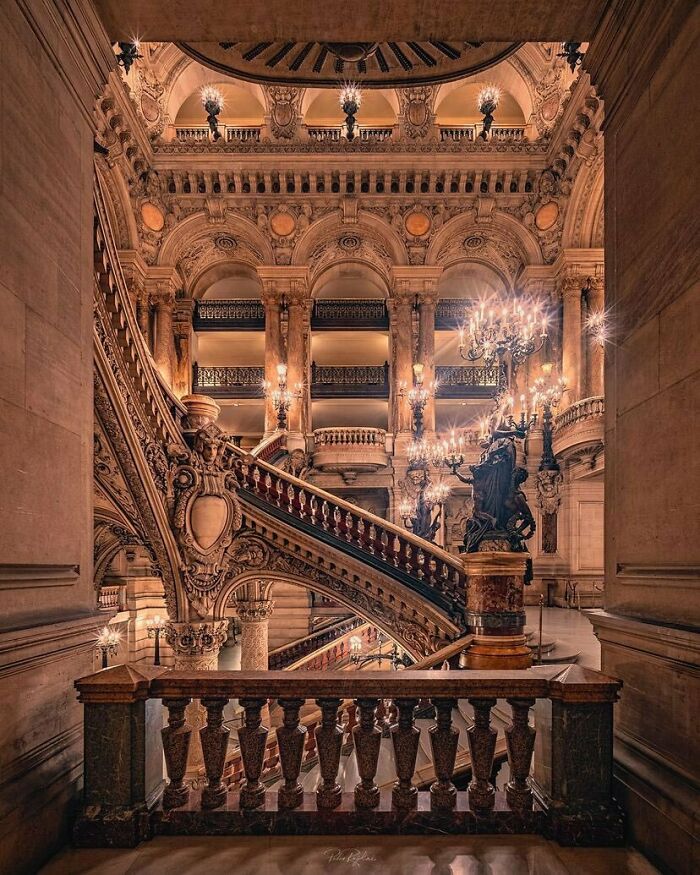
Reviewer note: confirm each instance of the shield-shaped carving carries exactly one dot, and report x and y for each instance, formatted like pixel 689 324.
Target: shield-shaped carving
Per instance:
pixel 417 113
pixel 208 518
pixel 283 114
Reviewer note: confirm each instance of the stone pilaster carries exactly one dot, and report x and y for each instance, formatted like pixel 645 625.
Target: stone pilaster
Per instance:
pixel 254 615
pixel 571 291
pixel 182 336
pixel 595 353
pixel 272 302
pixel 400 309
pixel 427 301
pixel 298 343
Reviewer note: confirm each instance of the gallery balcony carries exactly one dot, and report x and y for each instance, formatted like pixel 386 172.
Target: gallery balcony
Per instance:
pixel 340 313
pixel 228 315
pixel 350 451
pixel 465 381
pixel 230 133
pixel 350 381
pixel 228 382
pixel 580 426
pixel 472 132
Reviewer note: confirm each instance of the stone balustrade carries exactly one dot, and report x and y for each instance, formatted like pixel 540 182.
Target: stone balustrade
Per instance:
pixel 581 424
pixel 228 132
pixel 336 633
pixel 112 598
pixel 567 795
pixel 472 132
pixel 350 451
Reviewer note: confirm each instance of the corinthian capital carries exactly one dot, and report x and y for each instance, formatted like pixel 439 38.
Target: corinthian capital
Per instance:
pixel 254 611
pixel 196 645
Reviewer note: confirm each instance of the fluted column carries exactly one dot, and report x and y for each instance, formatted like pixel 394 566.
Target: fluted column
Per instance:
pixel 400 310
pixel 426 349
pixel 595 354
pixel 571 291
pixel 272 299
pixel 298 329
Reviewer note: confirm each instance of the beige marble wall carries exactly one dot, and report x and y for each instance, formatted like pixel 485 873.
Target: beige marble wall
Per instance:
pixel 49 82
pixel 644 65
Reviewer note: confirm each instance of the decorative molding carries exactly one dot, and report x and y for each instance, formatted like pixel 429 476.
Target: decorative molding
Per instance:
pixel 32 575
pixel 652 575
pixel 28 649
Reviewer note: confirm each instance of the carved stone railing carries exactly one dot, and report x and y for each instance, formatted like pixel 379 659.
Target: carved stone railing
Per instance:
pixel 424 567
pixel 229 315
pixel 468 381
pixel 567 795
pixel 111 598
pixel 350 451
pixel 581 424
pixel 355 381
pixel 228 382
pixel 350 313
pixel 336 133
pixel 297 653
pixel 271 448
pixel 472 132
pixel 228 133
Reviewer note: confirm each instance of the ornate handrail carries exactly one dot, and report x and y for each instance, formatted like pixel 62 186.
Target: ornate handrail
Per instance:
pixel 240 314
pixel 357 436
pixel 228 133
pixel 349 312
pixel 463 381
pixel 228 382
pixel 570 779
pixel 471 132
pixel 581 410
pixel 270 447
pixel 425 567
pixel 284 656
pixel 331 381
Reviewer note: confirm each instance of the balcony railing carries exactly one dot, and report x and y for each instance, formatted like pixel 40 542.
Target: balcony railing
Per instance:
pixel 112 598
pixel 336 133
pixel 228 382
pixel 567 795
pixel 471 132
pixel 355 313
pixel 452 312
pixel 579 411
pixel 337 633
pixel 353 381
pixel 468 382
pixel 229 133
pixel 229 315
pixel 350 451
pixel 580 425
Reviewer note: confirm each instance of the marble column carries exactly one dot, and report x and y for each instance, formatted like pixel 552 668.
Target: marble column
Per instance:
pixel 298 329
pixel 595 354
pixel 571 291
pixel 426 350
pixel 255 617
pixel 272 299
pixel 143 315
pixel 400 313
pixel 163 342
pixel 182 337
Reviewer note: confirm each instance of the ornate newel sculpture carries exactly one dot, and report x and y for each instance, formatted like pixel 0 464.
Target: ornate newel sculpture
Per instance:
pixel 496 559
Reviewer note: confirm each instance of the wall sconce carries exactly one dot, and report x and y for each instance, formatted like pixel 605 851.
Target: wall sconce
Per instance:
pixel 213 103
pixel 282 397
pixel 487 102
pixel 107 643
pixel 350 100
pixel 154 628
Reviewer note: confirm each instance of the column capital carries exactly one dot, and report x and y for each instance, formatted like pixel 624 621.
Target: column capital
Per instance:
pixel 162 284
pixel 420 279
pixel 258 611
pixel 196 645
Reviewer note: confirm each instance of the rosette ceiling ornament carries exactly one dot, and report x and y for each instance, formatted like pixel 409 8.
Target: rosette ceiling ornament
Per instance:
pixel 371 65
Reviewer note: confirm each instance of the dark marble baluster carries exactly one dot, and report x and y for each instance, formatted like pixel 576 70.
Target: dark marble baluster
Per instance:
pixel 520 742
pixel 482 745
pixel 176 745
pixel 366 738
pixel 329 740
pixel 371 538
pixel 214 739
pixel 443 743
pixel 405 737
pixel 291 737
pixel 252 737
pixel 337 517
pixel 349 523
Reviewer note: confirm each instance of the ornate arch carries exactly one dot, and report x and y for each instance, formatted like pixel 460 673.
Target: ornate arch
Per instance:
pixel 118 206
pixel 583 220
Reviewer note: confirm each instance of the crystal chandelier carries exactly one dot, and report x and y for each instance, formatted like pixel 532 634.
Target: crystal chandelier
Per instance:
pixel 350 99
pixel 417 397
pixel 515 328
pixel 213 103
pixel 487 103
pixel 282 397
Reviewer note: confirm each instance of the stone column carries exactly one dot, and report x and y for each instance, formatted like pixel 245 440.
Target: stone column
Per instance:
pixel 571 291
pixel 163 341
pixel 143 315
pixel 254 615
pixel 495 610
pixel 182 335
pixel 273 347
pixel 595 354
pixel 298 328
pixel 400 309
pixel 426 350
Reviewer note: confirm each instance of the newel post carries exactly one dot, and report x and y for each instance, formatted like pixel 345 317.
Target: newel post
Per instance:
pixel 574 758
pixel 123 760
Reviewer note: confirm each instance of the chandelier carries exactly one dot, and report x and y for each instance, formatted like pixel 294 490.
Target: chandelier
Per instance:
pixel 282 397
pixel 350 99
pixel 417 397
pixel 213 103
pixel 487 103
pixel 515 328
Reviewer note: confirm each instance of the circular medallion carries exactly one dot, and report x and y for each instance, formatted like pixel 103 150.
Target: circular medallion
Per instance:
pixel 547 216
pixel 149 108
pixel 152 216
pixel 417 223
pixel 476 241
pixel 550 108
pixel 225 241
pixel 282 224
pixel 350 242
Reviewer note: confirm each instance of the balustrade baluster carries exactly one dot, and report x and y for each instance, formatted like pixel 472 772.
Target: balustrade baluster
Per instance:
pixel 360 531
pixel 348 525
pixel 408 555
pixel 325 512
pixel 372 537
pixel 252 737
pixel 302 504
pixel 279 489
pixel 337 516
pixel 268 485
pixel 291 494
pixel 420 559
pixel 396 550
pixel 313 509
pixel 520 743
pixel 214 739
pixel 291 737
pixel 384 541
pixel 405 736
pixel 482 745
pixel 329 741
pixel 256 478
pixel 367 738
pixel 443 744
pixel 176 744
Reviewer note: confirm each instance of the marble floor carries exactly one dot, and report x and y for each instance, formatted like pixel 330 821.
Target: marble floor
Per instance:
pixel 367 855
pixel 572 631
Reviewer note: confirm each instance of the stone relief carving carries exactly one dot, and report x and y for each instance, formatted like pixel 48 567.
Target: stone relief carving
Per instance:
pixel 284 106
pixel 548 490
pixel 417 110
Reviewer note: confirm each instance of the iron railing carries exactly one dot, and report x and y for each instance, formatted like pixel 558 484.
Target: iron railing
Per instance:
pixel 229 315
pixel 228 382
pixel 350 313
pixel 353 381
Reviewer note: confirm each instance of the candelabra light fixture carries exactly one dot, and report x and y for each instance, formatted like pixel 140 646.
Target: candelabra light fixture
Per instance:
pixel 107 643
pixel 573 54
pixel 423 516
pixel 282 396
pixel 512 329
pixel 417 397
pixel 596 325
pixel 128 53
pixel 547 393
pixel 154 629
pixel 350 99
pixel 213 103
pixel 487 102
pixel 398 658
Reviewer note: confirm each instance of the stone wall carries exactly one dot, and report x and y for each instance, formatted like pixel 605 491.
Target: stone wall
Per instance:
pixel 53 58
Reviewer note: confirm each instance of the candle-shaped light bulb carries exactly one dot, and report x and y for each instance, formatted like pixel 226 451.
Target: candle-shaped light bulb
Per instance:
pixel 282 371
